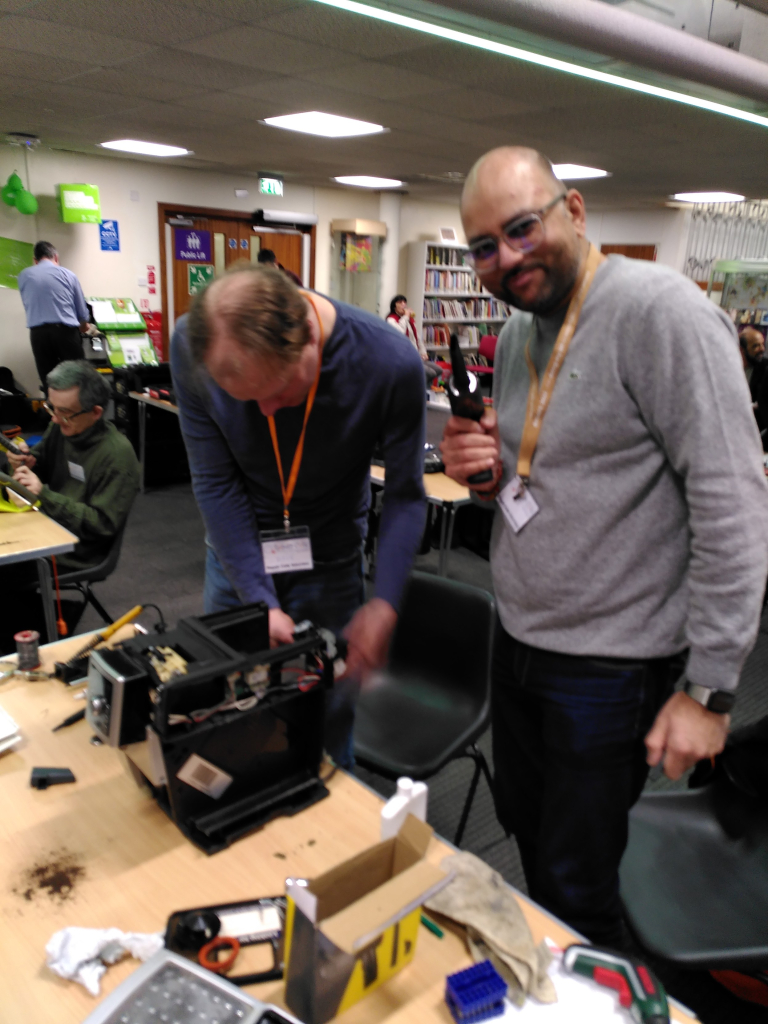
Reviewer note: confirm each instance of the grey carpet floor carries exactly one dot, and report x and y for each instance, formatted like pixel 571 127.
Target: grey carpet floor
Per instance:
pixel 163 561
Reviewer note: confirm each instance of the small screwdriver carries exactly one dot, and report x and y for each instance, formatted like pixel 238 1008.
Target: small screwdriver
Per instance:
pixel 78 715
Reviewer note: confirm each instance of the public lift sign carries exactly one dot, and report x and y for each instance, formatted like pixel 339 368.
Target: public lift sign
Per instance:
pixel 193 246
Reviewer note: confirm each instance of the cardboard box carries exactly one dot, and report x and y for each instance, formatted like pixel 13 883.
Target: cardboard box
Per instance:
pixel 354 927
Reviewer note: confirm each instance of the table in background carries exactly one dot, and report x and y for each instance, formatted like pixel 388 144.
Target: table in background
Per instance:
pixel 446 494
pixel 25 536
pixel 157 403
pixel 131 867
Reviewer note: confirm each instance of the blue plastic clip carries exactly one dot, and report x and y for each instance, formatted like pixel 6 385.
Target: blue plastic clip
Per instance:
pixel 476 993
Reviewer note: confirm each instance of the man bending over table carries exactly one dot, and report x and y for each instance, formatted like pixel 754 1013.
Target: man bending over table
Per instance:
pixel 283 395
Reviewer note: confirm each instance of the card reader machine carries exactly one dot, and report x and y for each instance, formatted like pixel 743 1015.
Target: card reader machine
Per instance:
pixel 233 729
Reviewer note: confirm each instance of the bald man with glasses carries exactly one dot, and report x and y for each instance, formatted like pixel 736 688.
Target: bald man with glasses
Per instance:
pixel 630 543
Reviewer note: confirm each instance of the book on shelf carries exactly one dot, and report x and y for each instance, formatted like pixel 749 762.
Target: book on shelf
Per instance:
pixel 446 256
pixel 452 281
pixel 465 309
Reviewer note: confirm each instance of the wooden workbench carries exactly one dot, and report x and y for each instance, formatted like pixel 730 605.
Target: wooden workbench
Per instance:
pixel 130 867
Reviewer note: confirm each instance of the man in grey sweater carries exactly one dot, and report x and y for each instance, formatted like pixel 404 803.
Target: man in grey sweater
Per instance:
pixel 630 542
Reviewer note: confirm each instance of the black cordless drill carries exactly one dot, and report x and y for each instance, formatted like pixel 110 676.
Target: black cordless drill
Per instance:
pixel 466 400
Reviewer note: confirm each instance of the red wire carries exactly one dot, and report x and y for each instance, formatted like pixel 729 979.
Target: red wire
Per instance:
pixel 61 625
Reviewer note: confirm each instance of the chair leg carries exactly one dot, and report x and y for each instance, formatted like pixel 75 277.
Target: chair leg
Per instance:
pixel 91 597
pixel 481 765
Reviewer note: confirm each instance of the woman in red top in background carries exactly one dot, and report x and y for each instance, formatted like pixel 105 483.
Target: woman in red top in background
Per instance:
pixel 403 320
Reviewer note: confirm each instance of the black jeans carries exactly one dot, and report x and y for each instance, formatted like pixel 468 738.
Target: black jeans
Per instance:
pixel 570 762
pixel 51 345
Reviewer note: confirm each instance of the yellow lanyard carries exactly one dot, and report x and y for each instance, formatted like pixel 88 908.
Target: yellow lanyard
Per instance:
pixel 539 395
pixel 288 491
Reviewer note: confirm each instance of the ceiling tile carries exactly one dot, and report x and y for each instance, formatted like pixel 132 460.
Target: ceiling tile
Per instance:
pixel 45 37
pixel 37 66
pixel 177 67
pixel 228 105
pixel 254 12
pixel 117 80
pixel 471 104
pixel 345 31
pixel 152 21
pixel 267 51
pixel 374 79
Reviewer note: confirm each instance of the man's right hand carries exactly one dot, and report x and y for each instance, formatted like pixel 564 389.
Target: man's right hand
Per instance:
pixel 471 446
pixel 281 627
pixel 21 460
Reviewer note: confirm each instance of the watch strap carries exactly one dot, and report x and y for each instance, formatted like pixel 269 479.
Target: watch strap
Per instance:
pixel 719 701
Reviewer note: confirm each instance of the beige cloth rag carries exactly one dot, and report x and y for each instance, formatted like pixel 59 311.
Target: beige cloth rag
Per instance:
pixel 480 899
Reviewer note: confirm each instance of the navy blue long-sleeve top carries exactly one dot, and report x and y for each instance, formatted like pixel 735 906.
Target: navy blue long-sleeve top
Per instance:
pixel 371 392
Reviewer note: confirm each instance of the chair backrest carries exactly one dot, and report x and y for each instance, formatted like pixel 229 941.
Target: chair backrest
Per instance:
pixel 105 568
pixel 445 630
pixel 487 347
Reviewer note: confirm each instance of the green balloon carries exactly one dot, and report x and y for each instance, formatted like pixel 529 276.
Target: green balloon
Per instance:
pixel 8 195
pixel 26 203
pixel 15 182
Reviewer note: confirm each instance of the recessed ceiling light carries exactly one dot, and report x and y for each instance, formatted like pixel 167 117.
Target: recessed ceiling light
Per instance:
pixel 145 148
pixel 332 126
pixel 529 56
pixel 571 172
pixel 366 181
pixel 707 197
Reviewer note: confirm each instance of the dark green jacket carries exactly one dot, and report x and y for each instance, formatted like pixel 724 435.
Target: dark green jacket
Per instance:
pixel 96 506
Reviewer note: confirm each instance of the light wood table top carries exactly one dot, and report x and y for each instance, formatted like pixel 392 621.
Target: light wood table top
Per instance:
pixel 131 867
pixel 438 486
pixel 25 535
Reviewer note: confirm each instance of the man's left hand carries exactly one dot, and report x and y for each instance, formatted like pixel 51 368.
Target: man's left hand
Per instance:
pixel 368 635
pixel 30 480
pixel 685 732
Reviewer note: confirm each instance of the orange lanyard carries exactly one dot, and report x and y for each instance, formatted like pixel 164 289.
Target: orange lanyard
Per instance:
pixel 288 491
pixel 540 395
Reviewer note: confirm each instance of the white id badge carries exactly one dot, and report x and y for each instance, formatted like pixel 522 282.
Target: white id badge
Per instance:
pixel 287 550
pixel 76 471
pixel 518 508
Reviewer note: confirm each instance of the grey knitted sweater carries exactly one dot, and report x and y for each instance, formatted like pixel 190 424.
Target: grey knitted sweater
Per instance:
pixel 652 534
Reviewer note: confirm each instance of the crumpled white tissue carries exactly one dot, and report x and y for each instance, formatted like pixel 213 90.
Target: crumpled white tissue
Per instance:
pixel 81 954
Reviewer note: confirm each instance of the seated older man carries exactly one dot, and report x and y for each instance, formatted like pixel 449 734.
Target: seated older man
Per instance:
pixel 86 476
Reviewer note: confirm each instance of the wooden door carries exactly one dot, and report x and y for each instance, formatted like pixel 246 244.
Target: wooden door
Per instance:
pixel 634 252
pixel 286 246
pixel 228 242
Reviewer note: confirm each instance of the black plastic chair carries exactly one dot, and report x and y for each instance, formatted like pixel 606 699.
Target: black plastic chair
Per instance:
pixel 693 895
pixel 81 579
pixel 432 702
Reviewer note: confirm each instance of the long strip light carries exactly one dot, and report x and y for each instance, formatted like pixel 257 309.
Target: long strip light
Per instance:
pixel 404 21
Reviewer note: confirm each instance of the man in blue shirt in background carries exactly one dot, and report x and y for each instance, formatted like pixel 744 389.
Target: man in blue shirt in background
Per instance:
pixel 56 310
pixel 275 384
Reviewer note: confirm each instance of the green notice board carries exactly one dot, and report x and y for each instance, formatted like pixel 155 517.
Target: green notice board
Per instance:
pixel 14 257
pixel 79 204
pixel 198 276
pixel 130 350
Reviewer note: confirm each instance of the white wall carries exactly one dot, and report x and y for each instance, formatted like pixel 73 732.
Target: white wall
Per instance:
pixel 118 273
pixel 666 229
pixel 131 189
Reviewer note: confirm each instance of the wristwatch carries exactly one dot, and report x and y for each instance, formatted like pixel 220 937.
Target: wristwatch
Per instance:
pixel 719 701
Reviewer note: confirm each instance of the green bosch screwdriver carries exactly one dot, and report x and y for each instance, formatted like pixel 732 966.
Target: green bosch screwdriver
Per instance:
pixel 639 990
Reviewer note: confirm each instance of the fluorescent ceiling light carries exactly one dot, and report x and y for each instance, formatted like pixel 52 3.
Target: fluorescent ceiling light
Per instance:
pixel 540 59
pixel 707 197
pixel 145 148
pixel 571 172
pixel 366 181
pixel 332 126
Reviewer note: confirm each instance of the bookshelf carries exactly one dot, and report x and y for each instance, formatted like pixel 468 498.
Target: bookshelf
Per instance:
pixel 444 292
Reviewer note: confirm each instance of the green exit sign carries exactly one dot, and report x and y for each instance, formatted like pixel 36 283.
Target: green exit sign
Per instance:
pixel 271 186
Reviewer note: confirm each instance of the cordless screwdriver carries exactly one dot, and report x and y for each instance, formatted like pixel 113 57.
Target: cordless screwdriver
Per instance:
pixel 465 398
pixel 639 990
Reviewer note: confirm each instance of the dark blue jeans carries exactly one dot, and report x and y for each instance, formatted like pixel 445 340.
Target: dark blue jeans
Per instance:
pixel 328 595
pixel 569 763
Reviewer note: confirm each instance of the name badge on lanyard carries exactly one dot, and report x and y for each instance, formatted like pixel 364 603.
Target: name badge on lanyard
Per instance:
pixel 287 550
pixel 76 471
pixel 290 549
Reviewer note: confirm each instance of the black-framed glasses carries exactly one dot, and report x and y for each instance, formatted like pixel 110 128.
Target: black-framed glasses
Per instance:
pixel 64 419
pixel 522 234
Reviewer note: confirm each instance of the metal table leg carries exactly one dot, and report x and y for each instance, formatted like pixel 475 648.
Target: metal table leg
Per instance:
pixel 142 442
pixel 449 509
pixel 46 596
pixel 445 506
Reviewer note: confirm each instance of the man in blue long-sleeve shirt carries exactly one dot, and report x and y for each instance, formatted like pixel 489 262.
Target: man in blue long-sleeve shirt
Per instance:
pixel 250 351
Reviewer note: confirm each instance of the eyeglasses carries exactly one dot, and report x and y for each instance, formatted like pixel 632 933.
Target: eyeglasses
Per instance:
pixel 60 416
pixel 522 234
